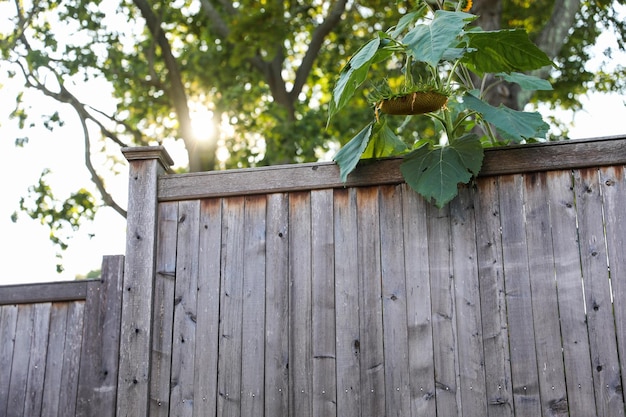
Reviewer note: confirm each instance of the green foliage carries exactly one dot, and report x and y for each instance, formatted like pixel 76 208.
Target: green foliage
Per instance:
pixel 449 48
pixel 435 171
pixel 58 215
pixel 503 51
pixel 272 98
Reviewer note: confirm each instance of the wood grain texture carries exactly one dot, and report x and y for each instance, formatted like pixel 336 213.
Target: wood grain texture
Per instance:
pixel 543 286
pixel 598 297
pixel 163 318
pixel 43 292
pixel 8 330
pixel 490 272
pixel 305 177
pixel 469 332
pixel 613 189
pixel 71 359
pixel 138 296
pixel 231 302
pixel 277 306
pixel 37 359
pixel 442 299
pixel 394 299
pixel 19 369
pixel 300 326
pixel 207 335
pixel 419 312
pixel 185 310
pixel 348 344
pixel 323 304
pixel 524 377
pixel 253 307
pixel 573 318
pixel 97 386
pixel 54 361
pixel 371 346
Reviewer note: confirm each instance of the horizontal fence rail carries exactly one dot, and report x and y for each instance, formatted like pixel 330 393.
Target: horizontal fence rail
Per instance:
pixel 283 292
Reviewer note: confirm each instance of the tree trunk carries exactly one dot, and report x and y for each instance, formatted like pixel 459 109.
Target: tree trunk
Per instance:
pixel 550 40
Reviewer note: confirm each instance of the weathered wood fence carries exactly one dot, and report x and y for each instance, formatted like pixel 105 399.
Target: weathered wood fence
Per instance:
pixel 59 346
pixel 281 291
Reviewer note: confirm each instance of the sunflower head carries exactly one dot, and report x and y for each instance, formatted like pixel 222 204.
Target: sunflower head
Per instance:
pixel 466 5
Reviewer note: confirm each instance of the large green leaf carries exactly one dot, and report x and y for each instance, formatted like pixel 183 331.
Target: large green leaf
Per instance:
pixel 353 75
pixel 527 82
pixel 348 157
pixel 513 125
pixel 436 171
pixel 384 142
pixel 503 51
pixel 428 43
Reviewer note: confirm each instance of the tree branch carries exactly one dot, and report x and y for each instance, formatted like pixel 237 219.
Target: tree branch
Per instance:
pixel 64 96
pixel 215 18
pixel 176 88
pixel 317 40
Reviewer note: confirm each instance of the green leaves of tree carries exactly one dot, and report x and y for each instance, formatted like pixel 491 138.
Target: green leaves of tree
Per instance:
pixel 436 171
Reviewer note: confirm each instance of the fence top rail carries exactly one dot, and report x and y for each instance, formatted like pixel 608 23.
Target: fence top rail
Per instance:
pixel 43 292
pixel 309 176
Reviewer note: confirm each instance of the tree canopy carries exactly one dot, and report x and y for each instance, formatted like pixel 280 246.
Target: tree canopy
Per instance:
pixel 264 70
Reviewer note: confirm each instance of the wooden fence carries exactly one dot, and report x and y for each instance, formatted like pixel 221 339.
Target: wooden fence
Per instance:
pixel 59 346
pixel 281 291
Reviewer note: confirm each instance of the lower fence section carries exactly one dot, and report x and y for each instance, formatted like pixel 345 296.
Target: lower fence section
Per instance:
pixel 59 346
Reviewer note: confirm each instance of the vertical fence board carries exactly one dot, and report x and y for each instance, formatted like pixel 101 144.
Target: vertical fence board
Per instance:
pixel 8 331
pixel 163 319
pixel 394 295
pixel 518 298
pixel 467 301
pixel 301 358
pixel 97 378
pixel 185 310
pixel 347 303
pixel 442 304
pixel 370 303
pixel 71 359
pixel 37 362
pixel 21 356
pixel 229 361
pixel 207 336
pixel 498 388
pixel 54 361
pixel 544 296
pixel 419 328
pixel 613 188
pixel 277 306
pixel 323 304
pixel 573 319
pixel 253 337
pixel 599 306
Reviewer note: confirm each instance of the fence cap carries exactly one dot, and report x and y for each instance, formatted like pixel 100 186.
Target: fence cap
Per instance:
pixel 137 153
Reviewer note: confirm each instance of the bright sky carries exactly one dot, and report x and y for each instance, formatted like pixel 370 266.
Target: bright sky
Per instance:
pixel 26 254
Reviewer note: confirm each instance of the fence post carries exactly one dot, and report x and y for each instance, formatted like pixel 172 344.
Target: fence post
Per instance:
pixel 146 164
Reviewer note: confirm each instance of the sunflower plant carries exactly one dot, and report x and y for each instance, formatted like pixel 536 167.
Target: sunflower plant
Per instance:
pixel 441 54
